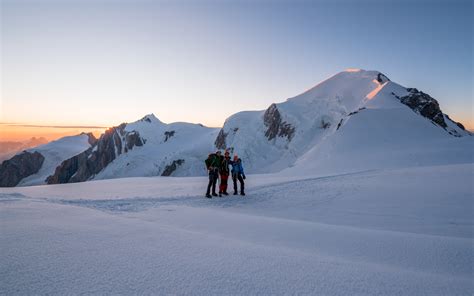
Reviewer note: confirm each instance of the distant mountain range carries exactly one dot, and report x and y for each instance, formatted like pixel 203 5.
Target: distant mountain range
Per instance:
pixel 10 148
pixel 354 120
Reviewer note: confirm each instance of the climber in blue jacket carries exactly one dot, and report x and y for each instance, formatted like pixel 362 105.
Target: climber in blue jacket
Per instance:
pixel 238 174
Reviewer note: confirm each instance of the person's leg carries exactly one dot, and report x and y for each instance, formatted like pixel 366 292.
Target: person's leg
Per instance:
pixel 220 185
pixel 216 176
pixel 224 179
pixel 242 185
pixel 234 180
pixel 223 185
pixel 209 184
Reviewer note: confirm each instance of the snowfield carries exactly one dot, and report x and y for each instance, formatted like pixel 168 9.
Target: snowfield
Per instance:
pixel 406 231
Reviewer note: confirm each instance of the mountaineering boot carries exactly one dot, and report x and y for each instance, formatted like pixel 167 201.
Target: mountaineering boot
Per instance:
pixel 208 195
pixel 235 192
pixel 242 193
pixel 220 194
pixel 225 193
pixel 214 194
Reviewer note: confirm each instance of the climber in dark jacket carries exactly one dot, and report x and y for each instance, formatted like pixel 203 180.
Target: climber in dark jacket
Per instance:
pixel 213 162
pixel 224 173
pixel 238 174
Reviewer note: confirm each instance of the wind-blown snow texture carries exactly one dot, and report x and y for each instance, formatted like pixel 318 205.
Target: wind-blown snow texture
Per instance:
pixel 391 232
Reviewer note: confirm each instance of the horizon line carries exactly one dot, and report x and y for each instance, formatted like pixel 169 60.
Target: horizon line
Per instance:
pixel 52 126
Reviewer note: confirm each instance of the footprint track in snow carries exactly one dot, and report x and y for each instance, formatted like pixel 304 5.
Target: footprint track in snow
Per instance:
pixel 259 196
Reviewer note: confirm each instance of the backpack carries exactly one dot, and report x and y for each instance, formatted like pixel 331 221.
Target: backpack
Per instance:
pixel 210 160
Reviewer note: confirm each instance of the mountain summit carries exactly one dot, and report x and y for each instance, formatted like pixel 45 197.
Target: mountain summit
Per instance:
pixel 354 120
pixel 274 139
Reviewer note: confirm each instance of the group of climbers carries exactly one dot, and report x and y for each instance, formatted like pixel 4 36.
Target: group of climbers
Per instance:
pixel 218 166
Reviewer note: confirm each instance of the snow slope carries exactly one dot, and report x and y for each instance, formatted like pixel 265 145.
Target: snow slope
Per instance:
pixel 406 231
pixel 54 153
pixel 386 134
pixel 351 121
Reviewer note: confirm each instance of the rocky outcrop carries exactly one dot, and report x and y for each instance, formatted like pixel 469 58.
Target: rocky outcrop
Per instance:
pixel 169 169
pixel 168 135
pixel 272 120
pixel 20 166
pixel 220 140
pixel 340 124
pixel 424 105
pixel 325 124
pixel 382 78
pixel 74 169
pixel 286 130
pixel 87 164
pixel 132 139
pixel 92 140
pixel 275 126
pixel 355 112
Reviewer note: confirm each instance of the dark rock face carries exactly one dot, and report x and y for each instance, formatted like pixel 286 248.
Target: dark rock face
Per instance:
pixel 169 169
pixel 220 140
pixel 382 78
pixel 275 125
pixel 424 105
pixel 132 139
pixel 339 124
pixel 286 130
pixel 459 125
pixel 357 111
pixel 87 164
pixel 168 135
pixel 272 120
pixel 74 169
pixel 20 166
pixel 325 124
pixel 147 118
pixel 91 138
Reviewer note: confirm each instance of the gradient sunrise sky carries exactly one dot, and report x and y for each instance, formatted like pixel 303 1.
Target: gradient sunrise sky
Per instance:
pixel 100 63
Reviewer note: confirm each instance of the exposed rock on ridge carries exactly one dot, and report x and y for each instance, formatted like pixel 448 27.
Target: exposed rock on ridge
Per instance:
pixel 424 105
pixel 220 140
pixel 169 169
pixel 275 126
pixel 20 166
pixel 87 164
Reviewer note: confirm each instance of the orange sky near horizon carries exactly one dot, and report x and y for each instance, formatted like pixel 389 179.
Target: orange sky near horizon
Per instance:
pixel 21 133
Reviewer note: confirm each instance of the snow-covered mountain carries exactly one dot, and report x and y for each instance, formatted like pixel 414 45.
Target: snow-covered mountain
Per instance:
pixel 34 165
pixel 355 120
pixel 147 147
pixel 9 148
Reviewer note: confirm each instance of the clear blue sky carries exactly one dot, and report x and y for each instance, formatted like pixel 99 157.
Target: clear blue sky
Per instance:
pixel 104 62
